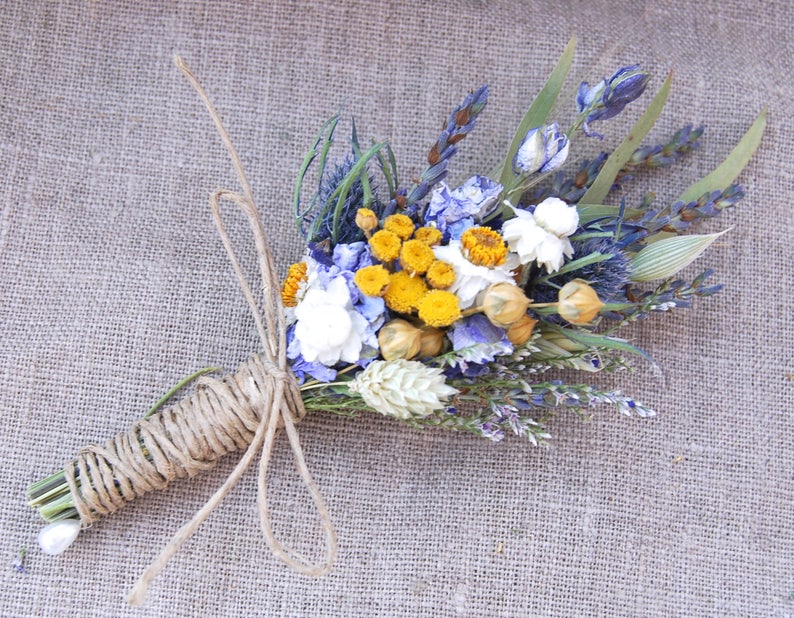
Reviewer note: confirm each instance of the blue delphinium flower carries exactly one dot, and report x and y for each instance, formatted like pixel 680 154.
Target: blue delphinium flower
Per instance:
pixel 455 211
pixel 544 149
pixel 610 96
pixel 477 342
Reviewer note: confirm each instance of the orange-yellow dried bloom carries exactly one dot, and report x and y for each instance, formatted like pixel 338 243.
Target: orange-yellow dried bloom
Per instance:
pixel 372 280
pixel 431 236
pixel 439 308
pixel 440 275
pixel 295 276
pixel 520 332
pixel 400 225
pixel 578 302
pixel 385 245
pixel 404 292
pixel 416 257
pixel 366 220
pixel 483 246
pixel 399 339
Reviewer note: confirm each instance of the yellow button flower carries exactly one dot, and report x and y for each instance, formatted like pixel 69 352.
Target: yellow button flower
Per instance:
pixel 439 308
pixel 431 236
pixel 400 225
pixel 372 280
pixel 416 257
pixel 440 275
pixel 404 292
pixel 385 245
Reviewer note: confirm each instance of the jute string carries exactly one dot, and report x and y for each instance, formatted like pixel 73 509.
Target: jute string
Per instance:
pixel 240 411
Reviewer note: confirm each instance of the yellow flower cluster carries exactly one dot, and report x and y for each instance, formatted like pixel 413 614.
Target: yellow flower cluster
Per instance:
pixel 414 288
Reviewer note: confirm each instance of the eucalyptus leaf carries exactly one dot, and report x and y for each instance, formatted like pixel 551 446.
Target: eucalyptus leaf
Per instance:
pixel 733 164
pixel 666 257
pixel 539 109
pixel 598 191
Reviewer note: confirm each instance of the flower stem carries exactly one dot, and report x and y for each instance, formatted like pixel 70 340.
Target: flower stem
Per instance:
pixel 183 382
pixel 52 496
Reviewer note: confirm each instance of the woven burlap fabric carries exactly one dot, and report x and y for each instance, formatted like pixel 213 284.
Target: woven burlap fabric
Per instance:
pixel 114 284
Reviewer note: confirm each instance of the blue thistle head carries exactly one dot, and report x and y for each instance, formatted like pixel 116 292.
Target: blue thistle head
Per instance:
pixel 321 227
pixel 608 278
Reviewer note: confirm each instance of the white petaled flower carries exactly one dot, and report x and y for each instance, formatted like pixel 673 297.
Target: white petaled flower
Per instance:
pixel 402 388
pixel 552 252
pixel 556 216
pixel 542 236
pixel 328 328
pixel 303 287
pixel 471 279
pixel 523 235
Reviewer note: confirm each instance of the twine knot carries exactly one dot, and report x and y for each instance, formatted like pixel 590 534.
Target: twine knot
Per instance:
pixel 240 411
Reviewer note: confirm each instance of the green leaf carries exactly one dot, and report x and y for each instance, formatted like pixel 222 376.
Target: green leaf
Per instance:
pixel 341 191
pixel 592 258
pixel 539 109
pixel 732 166
pixel 325 135
pixel 666 257
pixel 591 212
pixel 598 191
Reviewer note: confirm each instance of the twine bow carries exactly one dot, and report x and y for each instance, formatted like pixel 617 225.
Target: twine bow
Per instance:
pixel 275 392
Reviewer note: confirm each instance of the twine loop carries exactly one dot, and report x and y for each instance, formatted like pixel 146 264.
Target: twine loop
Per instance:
pixel 243 411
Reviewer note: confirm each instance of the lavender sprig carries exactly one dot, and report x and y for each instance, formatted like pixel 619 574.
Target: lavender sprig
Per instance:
pixel 571 189
pixel 459 124
pixel 501 412
pixel 680 216
pixel 670 294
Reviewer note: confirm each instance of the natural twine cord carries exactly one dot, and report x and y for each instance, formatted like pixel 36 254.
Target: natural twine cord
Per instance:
pixel 239 411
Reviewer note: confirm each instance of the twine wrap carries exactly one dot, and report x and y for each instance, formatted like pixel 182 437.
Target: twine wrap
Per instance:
pixel 239 411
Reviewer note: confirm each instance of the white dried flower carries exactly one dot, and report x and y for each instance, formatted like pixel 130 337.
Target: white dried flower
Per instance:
pixel 471 279
pixel 328 328
pixel 556 216
pixel 542 236
pixel 402 388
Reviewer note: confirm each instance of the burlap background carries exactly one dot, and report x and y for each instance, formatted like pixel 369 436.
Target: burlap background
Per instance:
pixel 114 285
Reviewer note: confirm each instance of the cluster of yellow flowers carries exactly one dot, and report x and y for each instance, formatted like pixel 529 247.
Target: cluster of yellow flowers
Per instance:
pixel 420 286
pixel 415 284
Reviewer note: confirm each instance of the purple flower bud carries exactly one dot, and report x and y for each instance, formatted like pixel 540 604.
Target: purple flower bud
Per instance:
pixel 610 96
pixel 624 87
pixel 544 149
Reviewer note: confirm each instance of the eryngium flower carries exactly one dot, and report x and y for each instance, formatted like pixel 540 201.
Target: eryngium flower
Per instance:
pixel 402 388
pixel 544 149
